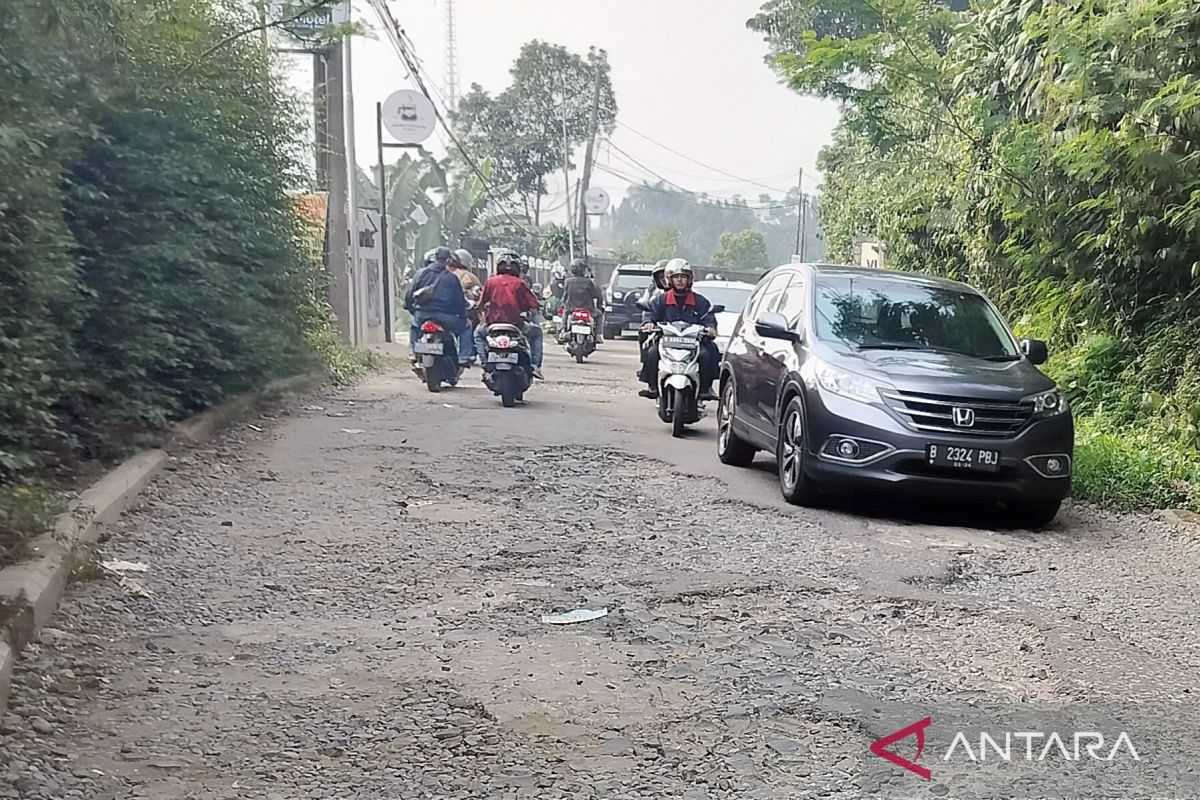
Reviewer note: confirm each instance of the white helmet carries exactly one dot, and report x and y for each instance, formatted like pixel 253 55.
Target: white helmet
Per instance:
pixel 679 266
pixel 560 273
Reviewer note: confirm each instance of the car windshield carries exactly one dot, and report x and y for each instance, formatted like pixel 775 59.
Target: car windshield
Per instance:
pixel 732 298
pixel 628 281
pixel 871 313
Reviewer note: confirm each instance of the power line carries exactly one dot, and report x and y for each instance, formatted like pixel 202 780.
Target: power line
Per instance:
pixel 397 36
pixel 690 196
pixel 696 161
pixel 633 163
pixel 658 166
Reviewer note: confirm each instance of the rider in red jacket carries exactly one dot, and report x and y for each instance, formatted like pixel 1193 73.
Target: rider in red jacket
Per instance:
pixel 505 297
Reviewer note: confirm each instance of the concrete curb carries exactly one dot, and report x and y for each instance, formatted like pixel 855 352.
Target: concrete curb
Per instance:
pixel 31 590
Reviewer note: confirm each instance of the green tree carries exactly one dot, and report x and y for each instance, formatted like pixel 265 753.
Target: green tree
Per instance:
pixel 522 127
pixel 743 250
pixel 660 243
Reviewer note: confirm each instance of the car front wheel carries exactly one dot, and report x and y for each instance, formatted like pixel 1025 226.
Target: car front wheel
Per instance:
pixel 1035 515
pixel 797 488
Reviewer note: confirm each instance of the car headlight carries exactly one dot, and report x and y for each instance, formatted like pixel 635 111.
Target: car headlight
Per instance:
pixel 846 384
pixel 1047 404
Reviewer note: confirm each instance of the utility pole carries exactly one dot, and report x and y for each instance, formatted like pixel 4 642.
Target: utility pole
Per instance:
pixel 587 161
pixel 358 284
pixel 800 217
pixel 567 171
pixel 335 240
pixel 385 269
pixel 321 119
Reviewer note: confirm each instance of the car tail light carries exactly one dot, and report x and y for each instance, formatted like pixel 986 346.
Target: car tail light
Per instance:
pixel 430 327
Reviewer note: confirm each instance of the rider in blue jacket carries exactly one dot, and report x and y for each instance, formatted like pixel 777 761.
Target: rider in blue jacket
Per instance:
pixel 680 304
pixel 436 294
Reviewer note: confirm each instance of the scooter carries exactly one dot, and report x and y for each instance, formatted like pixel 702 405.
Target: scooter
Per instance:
pixel 437 356
pixel 679 375
pixel 581 335
pixel 507 366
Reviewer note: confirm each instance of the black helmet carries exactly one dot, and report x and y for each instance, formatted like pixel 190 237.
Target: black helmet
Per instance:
pixel 579 268
pixel 443 254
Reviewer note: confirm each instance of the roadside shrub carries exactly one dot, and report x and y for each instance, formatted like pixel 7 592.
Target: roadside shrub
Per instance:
pixel 151 261
pixel 1133 469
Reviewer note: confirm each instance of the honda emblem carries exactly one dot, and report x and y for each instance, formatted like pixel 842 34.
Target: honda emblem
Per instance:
pixel 964 417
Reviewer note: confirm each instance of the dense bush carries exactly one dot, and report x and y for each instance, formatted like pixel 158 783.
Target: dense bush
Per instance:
pixel 151 262
pixel 1046 152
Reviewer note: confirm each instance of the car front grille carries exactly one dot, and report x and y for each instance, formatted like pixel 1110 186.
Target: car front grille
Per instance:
pixel 935 413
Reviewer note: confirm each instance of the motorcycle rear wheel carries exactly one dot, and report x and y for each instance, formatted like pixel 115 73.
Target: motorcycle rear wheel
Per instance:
pixel 506 383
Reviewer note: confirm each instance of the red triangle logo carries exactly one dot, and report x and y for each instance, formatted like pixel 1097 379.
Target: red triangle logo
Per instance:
pixel 880 748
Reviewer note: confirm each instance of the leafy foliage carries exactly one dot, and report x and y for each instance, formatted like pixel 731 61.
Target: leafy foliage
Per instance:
pixel 151 261
pixel 743 250
pixel 521 129
pixel 1043 151
pixel 702 222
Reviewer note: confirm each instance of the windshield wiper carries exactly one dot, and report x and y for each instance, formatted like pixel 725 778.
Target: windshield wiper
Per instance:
pixel 928 348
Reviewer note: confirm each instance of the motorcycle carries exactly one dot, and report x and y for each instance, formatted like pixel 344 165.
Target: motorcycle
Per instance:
pixel 437 356
pixel 581 335
pixel 507 367
pixel 679 374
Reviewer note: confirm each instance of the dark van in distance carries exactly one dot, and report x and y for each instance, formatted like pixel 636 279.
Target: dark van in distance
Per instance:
pixel 865 379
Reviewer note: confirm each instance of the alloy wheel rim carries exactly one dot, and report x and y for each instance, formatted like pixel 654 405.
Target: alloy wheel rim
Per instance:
pixel 725 418
pixel 793 441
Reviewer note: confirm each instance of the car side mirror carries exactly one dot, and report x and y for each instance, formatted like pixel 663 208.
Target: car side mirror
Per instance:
pixel 718 309
pixel 1035 350
pixel 775 326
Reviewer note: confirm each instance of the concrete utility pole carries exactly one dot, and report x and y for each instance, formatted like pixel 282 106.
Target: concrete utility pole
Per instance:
pixel 587 163
pixel 321 119
pixel 567 172
pixel 358 282
pixel 336 252
pixel 800 217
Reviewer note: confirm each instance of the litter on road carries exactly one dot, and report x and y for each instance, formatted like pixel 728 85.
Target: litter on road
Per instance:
pixel 118 565
pixel 571 617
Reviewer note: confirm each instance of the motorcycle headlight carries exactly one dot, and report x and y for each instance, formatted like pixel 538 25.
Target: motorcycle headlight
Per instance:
pixel 1047 404
pixel 846 384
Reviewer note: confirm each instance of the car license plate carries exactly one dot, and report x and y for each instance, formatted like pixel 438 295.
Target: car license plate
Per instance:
pixel 966 458
pixel 680 342
pixel 584 329
pixel 503 358
pixel 430 348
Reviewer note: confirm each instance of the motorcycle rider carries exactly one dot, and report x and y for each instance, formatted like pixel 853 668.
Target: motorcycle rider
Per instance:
pixel 435 295
pixel 580 291
pixel 680 304
pixel 505 297
pixel 657 287
pixel 459 264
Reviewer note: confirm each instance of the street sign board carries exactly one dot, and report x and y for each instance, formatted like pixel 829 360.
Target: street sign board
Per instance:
pixel 596 200
pixel 309 24
pixel 408 116
pixel 419 216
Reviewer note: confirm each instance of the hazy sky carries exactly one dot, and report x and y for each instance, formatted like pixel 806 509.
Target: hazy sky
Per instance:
pixel 686 73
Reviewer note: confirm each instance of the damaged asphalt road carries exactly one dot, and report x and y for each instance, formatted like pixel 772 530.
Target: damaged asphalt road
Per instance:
pixel 348 603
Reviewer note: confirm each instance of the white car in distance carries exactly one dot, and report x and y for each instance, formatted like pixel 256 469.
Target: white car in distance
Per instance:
pixel 731 294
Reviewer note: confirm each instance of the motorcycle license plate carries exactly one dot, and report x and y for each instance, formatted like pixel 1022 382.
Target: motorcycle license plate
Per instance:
pixel 430 348
pixel 503 358
pixel 680 342
pixel 584 329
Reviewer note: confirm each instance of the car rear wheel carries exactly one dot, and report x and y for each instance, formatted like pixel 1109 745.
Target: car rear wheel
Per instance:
pixel 796 487
pixel 731 448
